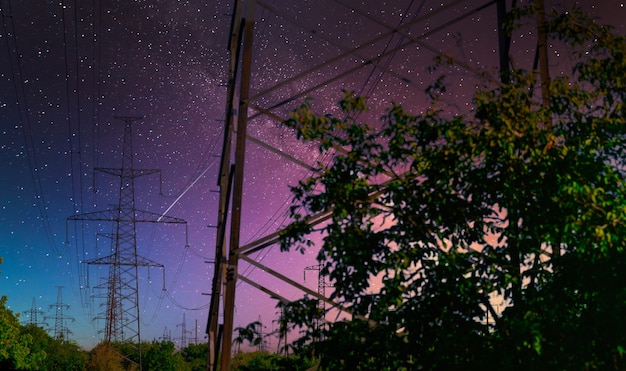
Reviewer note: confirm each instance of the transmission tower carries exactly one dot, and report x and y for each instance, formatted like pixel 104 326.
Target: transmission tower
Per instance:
pixel 167 335
pixel 60 330
pixel 33 314
pixel 184 332
pixel 321 290
pixel 283 331
pixel 122 298
pixel 260 330
pixel 321 286
pixel 371 58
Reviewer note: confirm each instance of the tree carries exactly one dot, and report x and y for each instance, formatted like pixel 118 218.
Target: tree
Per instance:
pixel 522 199
pixel 249 333
pixel 196 356
pixel 104 357
pixel 15 346
pixel 162 356
pixel 257 360
pixel 264 361
pixel 60 354
pixel 65 355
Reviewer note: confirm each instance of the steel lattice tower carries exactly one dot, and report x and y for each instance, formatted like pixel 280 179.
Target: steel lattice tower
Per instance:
pixel 361 64
pixel 321 284
pixel 167 335
pixel 122 299
pixel 60 330
pixel 184 332
pixel 33 315
pixel 321 290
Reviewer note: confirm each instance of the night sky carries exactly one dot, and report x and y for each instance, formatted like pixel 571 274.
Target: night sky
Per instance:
pixel 68 68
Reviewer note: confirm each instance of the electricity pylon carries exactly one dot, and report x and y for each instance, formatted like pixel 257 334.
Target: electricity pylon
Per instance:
pixel 333 64
pixel 60 330
pixel 184 332
pixel 321 290
pixel 321 284
pixel 167 335
pixel 122 298
pixel 33 314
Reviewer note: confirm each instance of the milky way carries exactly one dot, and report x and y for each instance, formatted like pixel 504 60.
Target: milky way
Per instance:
pixel 68 68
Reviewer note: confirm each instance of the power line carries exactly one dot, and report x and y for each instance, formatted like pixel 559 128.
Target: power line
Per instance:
pixel 25 124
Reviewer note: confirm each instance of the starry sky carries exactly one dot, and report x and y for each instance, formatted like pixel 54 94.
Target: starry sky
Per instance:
pixel 69 68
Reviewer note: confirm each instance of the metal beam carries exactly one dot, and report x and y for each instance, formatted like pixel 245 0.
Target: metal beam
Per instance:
pixel 240 151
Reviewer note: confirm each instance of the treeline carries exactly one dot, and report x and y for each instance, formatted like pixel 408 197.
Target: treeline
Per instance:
pixel 28 347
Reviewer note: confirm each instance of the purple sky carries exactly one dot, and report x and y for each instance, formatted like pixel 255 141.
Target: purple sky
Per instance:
pixel 66 70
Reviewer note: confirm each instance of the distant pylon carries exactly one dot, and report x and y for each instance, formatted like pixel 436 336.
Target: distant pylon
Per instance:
pixel 261 333
pixel 33 314
pixel 167 335
pixel 321 287
pixel 184 331
pixel 122 299
pixel 195 338
pixel 60 330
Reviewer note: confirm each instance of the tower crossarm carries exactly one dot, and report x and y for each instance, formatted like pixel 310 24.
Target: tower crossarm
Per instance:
pixel 141 261
pixel 139 216
pixel 109 259
pixel 143 216
pixel 103 215
pixel 134 173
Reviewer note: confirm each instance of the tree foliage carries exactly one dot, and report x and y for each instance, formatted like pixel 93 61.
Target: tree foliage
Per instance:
pixel 104 357
pixel 15 346
pixel 60 354
pixel 250 333
pixel 437 217
pixel 162 356
pixel 264 361
pixel 196 356
pixel 156 355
